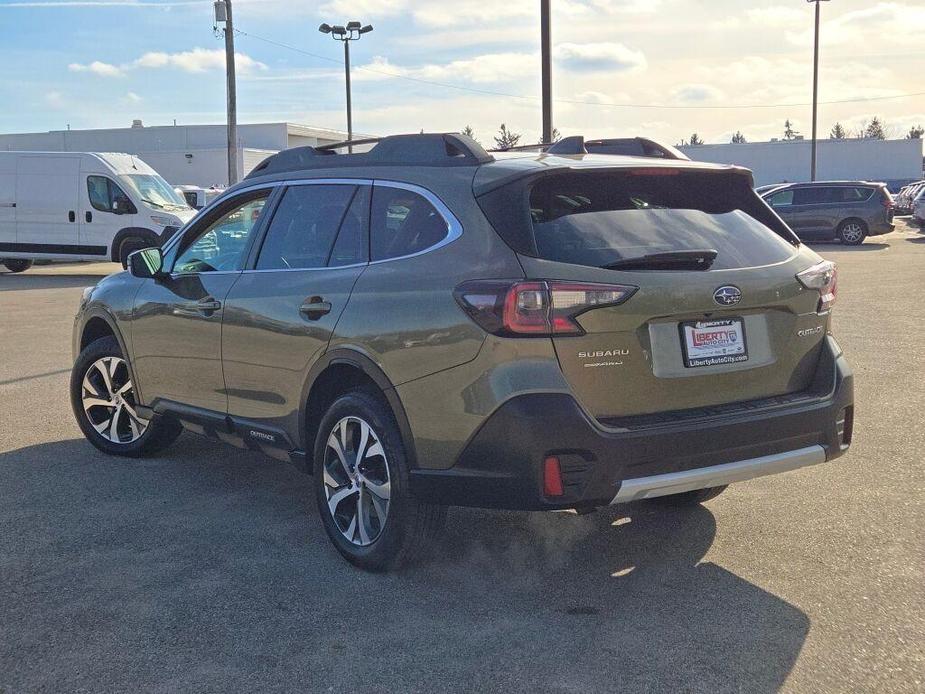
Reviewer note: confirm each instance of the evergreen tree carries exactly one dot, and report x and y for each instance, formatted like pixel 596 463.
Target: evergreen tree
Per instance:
pixel 837 132
pixel 874 130
pixel 738 138
pixel 505 139
pixel 789 132
pixel 468 131
pixel 915 132
pixel 696 140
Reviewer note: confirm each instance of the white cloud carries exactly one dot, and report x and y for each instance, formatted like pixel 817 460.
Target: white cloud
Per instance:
pixel 98 68
pixel 195 60
pixel 481 69
pixel 883 19
pixel 132 97
pixel 695 93
pixel 599 56
pixel 55 99
pixel 198 60
pixel 777 16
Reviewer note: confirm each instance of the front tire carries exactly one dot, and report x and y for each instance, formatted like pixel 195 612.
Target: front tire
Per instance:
pixel 103 400
pixel 361 486
pixel 692 498
pixel 17 264
pixel 852 232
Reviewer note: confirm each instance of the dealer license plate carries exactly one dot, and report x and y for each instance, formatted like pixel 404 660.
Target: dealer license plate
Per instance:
pixel 713 342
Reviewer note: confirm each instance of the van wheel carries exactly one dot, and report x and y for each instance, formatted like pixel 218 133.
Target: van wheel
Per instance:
pixel 361 486
pixel 17 265
pixel 697 496
pixel 852 232
pixel 103 400
pixel 129 246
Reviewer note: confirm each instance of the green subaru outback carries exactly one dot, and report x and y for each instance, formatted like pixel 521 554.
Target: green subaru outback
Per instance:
pixel 425 324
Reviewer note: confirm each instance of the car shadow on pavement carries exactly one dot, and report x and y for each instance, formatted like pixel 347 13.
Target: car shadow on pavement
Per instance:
pixel 207 568
pixel 10 282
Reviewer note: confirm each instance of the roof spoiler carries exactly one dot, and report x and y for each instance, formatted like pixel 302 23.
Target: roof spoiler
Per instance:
pixel 425 149
pixel 626 146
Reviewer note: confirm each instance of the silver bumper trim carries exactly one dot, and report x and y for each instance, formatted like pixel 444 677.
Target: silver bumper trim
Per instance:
pixel 717 475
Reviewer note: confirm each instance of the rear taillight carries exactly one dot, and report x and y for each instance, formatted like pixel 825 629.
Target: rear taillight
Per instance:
pixel 542 307
pixel 885 198
pixel 823 277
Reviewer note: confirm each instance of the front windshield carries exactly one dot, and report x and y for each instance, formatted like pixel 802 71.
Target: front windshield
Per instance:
pixel 155 192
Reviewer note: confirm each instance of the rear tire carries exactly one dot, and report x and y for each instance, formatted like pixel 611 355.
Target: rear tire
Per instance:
pixel 129 246
pixel 697 496
pixel 361 486
pixel 852 232
pixel 103 400
pixel 17 265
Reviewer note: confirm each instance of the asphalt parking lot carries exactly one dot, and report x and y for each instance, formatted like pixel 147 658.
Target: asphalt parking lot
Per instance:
pixel 207 569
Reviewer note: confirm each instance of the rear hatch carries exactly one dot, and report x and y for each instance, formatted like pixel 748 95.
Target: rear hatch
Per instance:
pixel 712 311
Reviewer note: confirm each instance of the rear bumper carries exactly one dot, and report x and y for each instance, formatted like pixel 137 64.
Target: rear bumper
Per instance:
pixel 881 228
pixel 501 466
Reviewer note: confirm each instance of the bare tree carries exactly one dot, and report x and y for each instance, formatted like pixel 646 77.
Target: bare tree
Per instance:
pixel 696 139
pixel 789 132
pixel 915 132
pixel 505 139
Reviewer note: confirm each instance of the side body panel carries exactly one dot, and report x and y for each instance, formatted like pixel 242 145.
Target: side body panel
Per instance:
pixel 47 203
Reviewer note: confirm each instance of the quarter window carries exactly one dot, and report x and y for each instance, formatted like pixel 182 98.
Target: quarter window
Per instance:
pixel 221 245
pixel 403 223
pixel 304 227
pixel 106 196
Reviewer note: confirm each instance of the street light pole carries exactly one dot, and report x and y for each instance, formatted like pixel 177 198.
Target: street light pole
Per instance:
pixel 351 32
pixel 812 165
pixel 546 60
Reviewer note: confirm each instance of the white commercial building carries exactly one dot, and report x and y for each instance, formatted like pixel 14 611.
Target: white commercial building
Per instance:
pixel 182 154
pixel 894 162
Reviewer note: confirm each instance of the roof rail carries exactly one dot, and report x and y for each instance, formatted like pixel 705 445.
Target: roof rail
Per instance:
pixel 425 149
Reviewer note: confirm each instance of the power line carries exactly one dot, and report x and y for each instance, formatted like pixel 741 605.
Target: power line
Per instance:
pixel 606 104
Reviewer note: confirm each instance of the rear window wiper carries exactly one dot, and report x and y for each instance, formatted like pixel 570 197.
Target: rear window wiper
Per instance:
pixel 669 260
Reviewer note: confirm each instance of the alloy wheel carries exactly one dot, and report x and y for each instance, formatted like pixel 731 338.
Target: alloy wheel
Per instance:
pixel 852 233
pixel 108 399
pixel 356 481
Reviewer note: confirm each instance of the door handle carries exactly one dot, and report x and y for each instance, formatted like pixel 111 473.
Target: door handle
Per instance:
pixel 315 307
pixel 88 216
pixel 71 216
pixel 205 307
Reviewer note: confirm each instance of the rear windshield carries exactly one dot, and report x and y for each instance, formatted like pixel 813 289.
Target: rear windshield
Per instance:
pixel 600 218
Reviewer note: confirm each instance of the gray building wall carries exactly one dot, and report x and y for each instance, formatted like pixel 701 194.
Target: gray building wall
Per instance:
pixel 182 154
pixel 889 161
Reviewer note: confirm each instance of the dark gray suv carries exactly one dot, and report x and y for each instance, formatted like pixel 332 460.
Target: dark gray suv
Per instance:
pixel 846 211
pixel 426 324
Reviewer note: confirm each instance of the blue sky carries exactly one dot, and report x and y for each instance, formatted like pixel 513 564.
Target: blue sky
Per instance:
pixel 662 68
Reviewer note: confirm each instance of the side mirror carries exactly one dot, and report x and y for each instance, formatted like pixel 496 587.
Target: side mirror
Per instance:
pixel 122 206
pixel 146 263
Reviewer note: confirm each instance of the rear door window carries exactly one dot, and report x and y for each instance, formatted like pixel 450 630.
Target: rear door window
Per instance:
pixel 813 196
pixel 304 227
pixel 598 219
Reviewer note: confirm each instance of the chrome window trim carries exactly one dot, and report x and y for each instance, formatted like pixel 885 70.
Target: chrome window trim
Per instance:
pixel 454 227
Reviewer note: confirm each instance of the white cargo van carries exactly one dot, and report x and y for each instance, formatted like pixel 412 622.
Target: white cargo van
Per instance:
pixel 82 206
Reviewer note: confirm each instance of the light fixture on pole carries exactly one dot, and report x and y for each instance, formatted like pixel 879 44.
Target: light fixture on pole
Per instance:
pixel 812 165
pixel 345 34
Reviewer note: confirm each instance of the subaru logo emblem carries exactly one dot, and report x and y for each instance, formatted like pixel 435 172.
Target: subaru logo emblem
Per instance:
pixel 727 295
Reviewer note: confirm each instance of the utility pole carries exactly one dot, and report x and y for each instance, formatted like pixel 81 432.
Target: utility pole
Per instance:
pixel 812 164
pixel 223 14
pixel 546 59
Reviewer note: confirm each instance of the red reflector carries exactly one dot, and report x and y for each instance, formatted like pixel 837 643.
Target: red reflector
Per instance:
pixel 552 477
